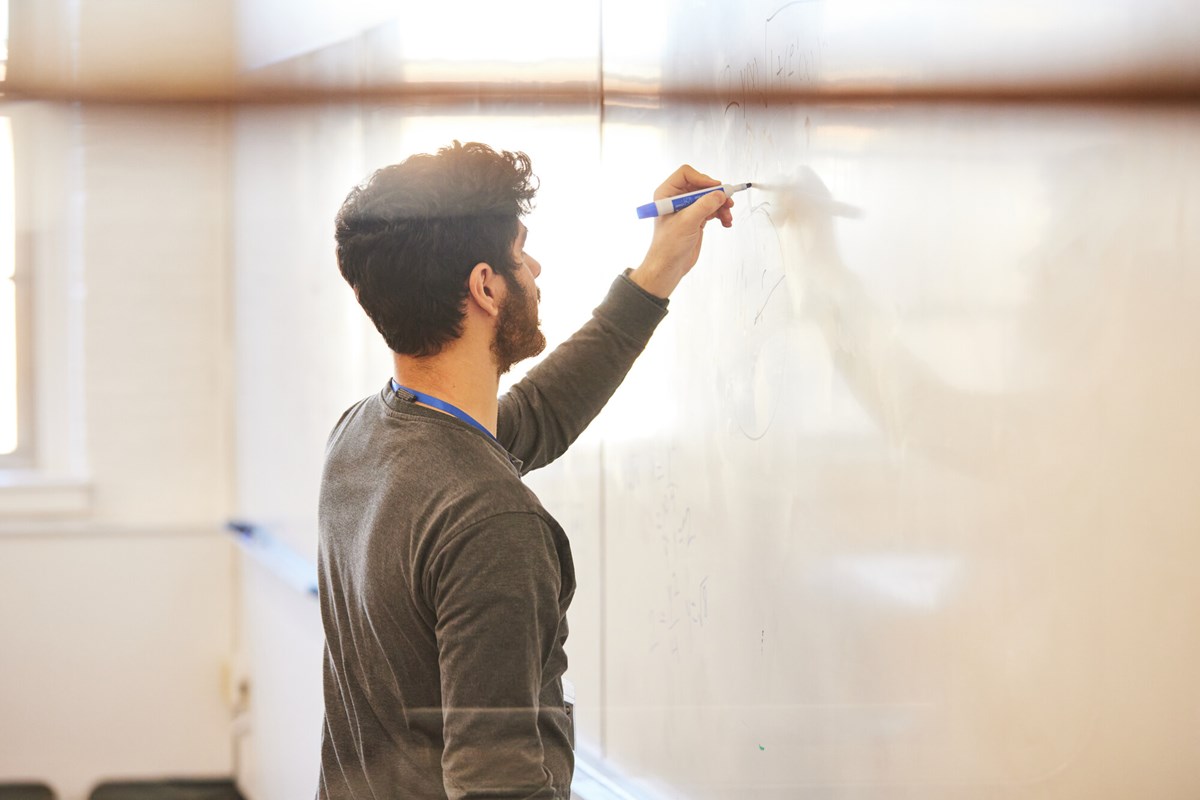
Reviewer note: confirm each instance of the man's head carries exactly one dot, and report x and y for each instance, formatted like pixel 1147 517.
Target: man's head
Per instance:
pixel 409 238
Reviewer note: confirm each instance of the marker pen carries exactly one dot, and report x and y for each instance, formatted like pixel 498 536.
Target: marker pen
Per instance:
pixel 669 205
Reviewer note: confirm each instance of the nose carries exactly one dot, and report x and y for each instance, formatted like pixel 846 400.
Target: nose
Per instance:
pixel 534 266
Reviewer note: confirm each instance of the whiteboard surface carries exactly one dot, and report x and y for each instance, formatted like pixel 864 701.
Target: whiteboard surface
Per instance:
pixel 903 505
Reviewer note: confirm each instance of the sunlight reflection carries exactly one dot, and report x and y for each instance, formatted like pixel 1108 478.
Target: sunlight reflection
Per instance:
pixel 918 583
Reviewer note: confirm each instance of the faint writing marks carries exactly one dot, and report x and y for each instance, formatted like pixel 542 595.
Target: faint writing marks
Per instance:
pixel 682 603
pixel 673 522
pixel 786 6
pixel 791 66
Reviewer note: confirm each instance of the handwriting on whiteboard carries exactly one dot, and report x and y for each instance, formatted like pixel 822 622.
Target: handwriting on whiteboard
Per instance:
pixel 792 65
pixel 682 603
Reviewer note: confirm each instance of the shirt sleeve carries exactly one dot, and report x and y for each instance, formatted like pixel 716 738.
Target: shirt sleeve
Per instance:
pixel 545 412
pixel 496 593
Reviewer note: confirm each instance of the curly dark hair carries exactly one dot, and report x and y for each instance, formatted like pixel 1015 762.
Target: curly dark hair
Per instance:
pixel 408 238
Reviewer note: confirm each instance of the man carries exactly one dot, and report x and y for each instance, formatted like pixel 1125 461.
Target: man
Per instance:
pixel 444 583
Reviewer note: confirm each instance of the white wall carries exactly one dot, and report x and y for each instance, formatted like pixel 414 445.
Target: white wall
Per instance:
pixel 117 619
pixel 116 579
pixel 164 48
pixel 264 39
pixel 122 48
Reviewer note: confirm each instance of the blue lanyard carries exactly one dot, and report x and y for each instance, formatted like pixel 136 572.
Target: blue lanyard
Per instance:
pixel 442 405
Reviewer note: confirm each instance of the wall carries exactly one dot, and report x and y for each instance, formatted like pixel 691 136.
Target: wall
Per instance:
pixel 135 49
pixel 116 579
pixel 119 615
pixel 312 25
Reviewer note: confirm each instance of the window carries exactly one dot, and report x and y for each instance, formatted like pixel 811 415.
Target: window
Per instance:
pixel 42 459
pixel 3 40
pixel 15 418
pixel 15 427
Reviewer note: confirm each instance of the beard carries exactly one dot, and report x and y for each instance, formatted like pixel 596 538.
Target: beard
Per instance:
pixel 517 336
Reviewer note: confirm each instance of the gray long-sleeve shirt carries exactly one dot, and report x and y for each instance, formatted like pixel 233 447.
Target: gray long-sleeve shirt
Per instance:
pixel 444 584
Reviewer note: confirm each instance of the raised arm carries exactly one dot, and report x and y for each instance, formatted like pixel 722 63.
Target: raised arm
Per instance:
pixel 546 411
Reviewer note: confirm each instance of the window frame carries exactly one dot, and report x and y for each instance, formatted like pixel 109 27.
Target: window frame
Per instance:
pixel 48 474
pixel 24 456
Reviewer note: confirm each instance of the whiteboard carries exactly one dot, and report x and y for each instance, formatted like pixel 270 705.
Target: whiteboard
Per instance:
pixel 902 503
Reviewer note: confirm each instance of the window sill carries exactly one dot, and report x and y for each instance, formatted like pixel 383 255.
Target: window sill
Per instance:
pixel 28 494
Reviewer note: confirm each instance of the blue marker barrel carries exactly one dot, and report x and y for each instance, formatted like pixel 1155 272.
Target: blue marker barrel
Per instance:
pixel 669 205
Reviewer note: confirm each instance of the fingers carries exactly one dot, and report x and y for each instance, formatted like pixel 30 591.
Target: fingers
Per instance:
pixel 684 179
pixel 688 179
pixel 675 246
pixel 710 206
pixel 724 213
pixel 722 210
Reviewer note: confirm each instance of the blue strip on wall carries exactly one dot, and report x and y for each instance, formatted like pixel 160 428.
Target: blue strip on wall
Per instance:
pixel 281 560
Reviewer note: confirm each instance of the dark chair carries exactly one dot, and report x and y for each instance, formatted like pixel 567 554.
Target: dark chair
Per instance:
pixel 26 791
pixel 165 790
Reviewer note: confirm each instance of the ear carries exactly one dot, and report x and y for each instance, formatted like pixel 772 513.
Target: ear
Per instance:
pixel 485 289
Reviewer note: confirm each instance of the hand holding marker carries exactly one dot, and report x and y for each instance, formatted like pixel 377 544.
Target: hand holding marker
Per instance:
pixel 669 205
pixel 793 196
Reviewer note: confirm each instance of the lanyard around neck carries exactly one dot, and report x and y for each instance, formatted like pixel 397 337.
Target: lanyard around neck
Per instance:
pixel 442 405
